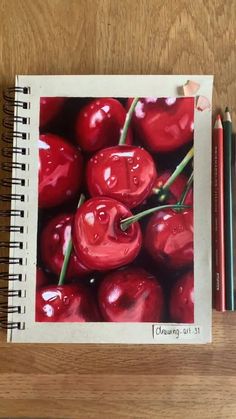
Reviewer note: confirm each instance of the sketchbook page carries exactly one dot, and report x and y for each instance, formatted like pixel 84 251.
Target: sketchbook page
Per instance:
pixel 128 280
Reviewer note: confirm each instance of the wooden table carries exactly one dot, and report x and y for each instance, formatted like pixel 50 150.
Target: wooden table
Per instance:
pixel 121 37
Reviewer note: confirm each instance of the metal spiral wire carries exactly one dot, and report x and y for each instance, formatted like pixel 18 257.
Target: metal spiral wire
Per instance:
pixel 9 153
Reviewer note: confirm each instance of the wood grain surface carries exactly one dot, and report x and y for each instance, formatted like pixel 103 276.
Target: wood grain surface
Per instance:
pixel 121 37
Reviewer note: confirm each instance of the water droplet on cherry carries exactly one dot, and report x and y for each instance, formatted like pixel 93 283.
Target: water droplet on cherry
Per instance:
pixel 96 237
pixel 98 103
pixel 135 180
pixel 56 237
pixel 126 250
pixel 130 160
pixel 115 158
pixel 111 181
pixel 103 217
pixel 138 158
pixel 85 114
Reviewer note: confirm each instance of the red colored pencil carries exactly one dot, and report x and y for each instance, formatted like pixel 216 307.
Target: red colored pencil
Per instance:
pixel 218 216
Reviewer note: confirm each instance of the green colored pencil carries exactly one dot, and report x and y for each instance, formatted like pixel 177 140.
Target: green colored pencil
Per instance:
pixel 228 195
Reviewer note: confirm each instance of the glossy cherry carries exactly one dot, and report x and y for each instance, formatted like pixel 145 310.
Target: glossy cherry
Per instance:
pixel 176 189
pixel 131 295
pixel 60 171
pixel 98 239
pixel 181 304
pixel 164 124
pixel 53 244
pixel 49 108
pixel 125 173
pixel 66 303
pixel 169 238
pixel 99 124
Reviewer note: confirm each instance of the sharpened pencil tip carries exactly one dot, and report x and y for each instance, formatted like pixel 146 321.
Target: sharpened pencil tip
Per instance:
pixel 227 116
pixel 218 122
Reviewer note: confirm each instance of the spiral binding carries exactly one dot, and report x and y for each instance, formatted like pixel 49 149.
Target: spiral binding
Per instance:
pixel 9 153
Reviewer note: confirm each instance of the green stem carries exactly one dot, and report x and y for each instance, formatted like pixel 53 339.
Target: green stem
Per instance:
pixel 175 174
pixel 127 121
pixel 124 225
pixel 186 189
pixel 68 251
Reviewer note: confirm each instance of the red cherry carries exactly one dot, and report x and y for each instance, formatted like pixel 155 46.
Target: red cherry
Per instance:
pixel 131 295
pixel 66 303
pixel 41 279
pixel 54 241
pixel 98 239
pixel 176 189
pixel 60 171
pixel 125 173
pixel 99 124
pixel 49 108
pixel 169 238
pixel 164 124
pixel 182 300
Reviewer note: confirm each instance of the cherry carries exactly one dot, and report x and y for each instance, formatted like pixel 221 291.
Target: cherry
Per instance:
pixel 53 244
pixel 182 300
pixel 60 171
pixel 49 108
pixel 169 238
pixel 66 303
pixel 131 295
pixel 126 173
pixel 98 239
pixel 99 124
pixel 164 124
pixel 176 188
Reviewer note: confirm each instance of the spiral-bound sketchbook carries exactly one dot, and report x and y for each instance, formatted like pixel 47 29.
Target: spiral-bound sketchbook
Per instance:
pixel 110 217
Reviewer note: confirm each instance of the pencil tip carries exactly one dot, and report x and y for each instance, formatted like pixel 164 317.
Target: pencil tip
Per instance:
pixel 218 123
pixel 226 109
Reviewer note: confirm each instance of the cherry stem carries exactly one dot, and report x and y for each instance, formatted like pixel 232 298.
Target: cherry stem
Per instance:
pixel 68 251
pixel 175 174
pixel 186 189
pixel 127 121
pixel 124 224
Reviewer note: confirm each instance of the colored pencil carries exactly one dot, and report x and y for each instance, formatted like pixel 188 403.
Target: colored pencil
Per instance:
pixel 218 216
pixel 228 207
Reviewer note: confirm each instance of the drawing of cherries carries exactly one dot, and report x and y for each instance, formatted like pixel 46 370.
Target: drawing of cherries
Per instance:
pixel 123 172
pixel 59 172
pixel 181 305
pixel 54 240
pixel 131 295
pixel 169 238
pixel 175 189
pixel 164 124
pixel 66 303
pixel 169 233
pixel 73 302
pixel 106 235
pixel 99 124
pixel 49 109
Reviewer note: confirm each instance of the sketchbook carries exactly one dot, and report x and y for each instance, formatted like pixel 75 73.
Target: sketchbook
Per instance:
pixel 110 209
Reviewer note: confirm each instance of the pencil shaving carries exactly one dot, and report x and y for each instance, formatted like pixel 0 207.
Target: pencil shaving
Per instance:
pixel 202 103
pixel 190 88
